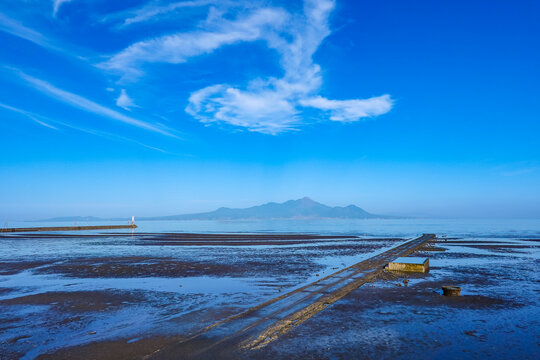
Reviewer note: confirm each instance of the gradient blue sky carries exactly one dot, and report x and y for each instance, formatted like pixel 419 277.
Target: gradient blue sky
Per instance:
pixel 140 107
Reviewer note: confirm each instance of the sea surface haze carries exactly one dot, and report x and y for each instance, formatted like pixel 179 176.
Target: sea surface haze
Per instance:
pixel 364 227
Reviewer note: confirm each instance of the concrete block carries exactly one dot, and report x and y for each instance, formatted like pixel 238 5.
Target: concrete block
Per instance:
pixel 409 264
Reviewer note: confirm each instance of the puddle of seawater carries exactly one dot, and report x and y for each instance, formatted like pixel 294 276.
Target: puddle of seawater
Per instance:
pixel 28 283
pixel 124 322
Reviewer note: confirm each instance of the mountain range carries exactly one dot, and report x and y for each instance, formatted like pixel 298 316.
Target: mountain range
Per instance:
pixel 304 208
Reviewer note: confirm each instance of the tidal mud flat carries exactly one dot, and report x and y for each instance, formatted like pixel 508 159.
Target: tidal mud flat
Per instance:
pixel 127 296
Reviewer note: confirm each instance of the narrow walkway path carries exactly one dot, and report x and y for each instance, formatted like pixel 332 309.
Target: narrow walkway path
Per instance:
pixel 257 326
pixel 68 228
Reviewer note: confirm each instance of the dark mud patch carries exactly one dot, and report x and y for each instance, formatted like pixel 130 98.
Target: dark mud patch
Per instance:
pixel 431 248
pixel 531 240
pixel 319 251
pixel 195 239
pixel 186 239
pixel 394 287
pixel 420 297
pixel 390 276
pixel 461 255
pixel 4 291
pixel 469 276
pixel 80 301
pixel 506 248
pixel 18 338
pixel 15 267
pixel 383 320
pixel 243 236
pixel 9 354
pixel 135 266
pixel 391 328
pixel 224 243
pixel 8 323
pixel 236 242
pixel 473 241
pixel 130 267
pixel 112 350
pixel 485 275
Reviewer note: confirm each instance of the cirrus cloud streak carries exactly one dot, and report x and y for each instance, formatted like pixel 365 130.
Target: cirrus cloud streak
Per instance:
pixel 86 104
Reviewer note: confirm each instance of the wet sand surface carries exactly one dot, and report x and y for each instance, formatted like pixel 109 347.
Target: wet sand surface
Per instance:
pixel 65 291
pixel 405 316
pixel 113 296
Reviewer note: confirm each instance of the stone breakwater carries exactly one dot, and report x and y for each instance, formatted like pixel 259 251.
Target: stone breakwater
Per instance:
pixel 69 228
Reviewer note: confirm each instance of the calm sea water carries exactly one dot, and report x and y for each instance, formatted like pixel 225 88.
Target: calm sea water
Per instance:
pixel 526 228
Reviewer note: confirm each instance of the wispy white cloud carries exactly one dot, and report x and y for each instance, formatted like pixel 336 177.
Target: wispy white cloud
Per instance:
pixel 262 111
pixel 57 4
pixel 16 28
pixel 270 105
pixel 154 10
pixel 178 48
pixel 45 121
pixel 29 115
pixel 350 110
pixel 85 104
pixel 282 99
pixel 124 101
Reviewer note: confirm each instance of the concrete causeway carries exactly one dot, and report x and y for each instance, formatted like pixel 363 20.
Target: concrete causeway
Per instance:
pixel 69 228
pixel 259 325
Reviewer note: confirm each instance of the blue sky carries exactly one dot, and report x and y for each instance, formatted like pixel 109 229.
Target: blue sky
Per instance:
pixel 148 107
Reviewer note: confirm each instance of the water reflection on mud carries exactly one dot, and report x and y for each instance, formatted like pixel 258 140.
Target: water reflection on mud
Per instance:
pixel 68 296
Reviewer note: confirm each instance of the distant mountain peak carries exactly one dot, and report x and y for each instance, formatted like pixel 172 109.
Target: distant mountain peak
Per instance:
pixel 304 208
pixel 308 201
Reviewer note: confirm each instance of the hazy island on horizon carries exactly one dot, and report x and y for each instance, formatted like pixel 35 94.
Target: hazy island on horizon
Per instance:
pixel 304 208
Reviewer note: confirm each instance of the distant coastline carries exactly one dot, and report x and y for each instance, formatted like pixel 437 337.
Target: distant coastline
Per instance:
pixel 304 208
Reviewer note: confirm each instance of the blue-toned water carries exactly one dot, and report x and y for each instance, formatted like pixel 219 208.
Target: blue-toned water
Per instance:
pixel 523 228
pixel 166 305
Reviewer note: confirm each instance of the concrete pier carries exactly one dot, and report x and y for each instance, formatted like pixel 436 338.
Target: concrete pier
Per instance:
pixel 68 228
pixel 259 325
